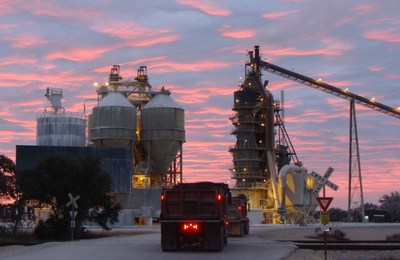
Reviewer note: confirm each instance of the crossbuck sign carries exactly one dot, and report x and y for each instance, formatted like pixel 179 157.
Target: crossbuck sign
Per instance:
pixel 323 180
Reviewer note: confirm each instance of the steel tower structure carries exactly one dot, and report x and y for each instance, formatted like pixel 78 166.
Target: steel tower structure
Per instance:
pixel 254 131
pixel 355 179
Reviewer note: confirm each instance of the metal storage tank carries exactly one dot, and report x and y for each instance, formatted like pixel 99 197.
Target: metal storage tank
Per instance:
pixel 163 131
pixel 55 127
pixel 113 122
pixel 60 130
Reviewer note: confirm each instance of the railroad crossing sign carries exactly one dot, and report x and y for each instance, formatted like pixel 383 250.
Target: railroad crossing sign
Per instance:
pixel 323 180
pixel 324 202
pixel 72 201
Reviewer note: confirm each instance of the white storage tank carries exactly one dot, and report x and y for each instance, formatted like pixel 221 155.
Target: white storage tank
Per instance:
pixel 55 127
pixel 163 132
pixel 60 130
pixel 113 122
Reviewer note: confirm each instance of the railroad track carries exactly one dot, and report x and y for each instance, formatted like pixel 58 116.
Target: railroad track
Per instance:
pixel 348 245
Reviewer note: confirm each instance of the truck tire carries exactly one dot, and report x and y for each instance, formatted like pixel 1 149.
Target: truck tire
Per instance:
pixel 225 236
pixel 242 229
pixel 169 237
pixel 247 228
pixel 214 237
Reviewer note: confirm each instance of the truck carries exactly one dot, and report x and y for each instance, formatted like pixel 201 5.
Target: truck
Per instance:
pixel 194 215
pixel 237 220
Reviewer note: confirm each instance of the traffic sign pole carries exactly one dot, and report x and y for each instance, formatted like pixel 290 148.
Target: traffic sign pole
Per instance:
pixel 72 202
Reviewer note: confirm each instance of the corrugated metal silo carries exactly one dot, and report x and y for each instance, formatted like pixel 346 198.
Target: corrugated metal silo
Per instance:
pixel 113 122
pixel 55 127
pixel 163 131
pixel 60 130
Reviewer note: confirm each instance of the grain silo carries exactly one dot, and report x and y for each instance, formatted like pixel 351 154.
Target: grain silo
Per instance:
pixel 55 127
pixel 162 133
pixel 113 122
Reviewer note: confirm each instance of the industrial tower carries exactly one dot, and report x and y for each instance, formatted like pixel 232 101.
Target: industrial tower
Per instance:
pixel 355 197
pixel 256 154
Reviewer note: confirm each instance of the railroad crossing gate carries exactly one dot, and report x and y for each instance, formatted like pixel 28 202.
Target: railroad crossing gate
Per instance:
pixel 323 180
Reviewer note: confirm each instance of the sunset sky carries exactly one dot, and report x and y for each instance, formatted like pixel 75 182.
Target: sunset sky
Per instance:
pixel 197 49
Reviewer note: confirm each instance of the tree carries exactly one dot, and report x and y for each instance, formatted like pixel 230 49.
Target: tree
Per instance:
pixel 370 206
pixel 7 179
pixel 391 204
pixel 337 214
pixel 49 184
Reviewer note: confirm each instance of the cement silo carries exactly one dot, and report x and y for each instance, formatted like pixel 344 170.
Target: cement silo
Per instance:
pixel 162 133
pixel 113 122
pixel 55 127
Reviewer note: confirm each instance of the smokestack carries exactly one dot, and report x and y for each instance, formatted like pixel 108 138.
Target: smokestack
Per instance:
pixel 257 58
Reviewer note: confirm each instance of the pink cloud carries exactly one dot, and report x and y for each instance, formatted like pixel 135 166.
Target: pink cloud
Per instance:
pixel 365 8
pixel 22 41
pixel 133 33
pixel 235 33
pixel 12 60
pixel 277 15
pixel 64 77
pixel 328 51
pixel 375 69
pixel 388 35
pixel 79 54
pixel 206 6
pixel 49 8
pixel 392 76
pixel 200 94
pixel 210 111
pixel 6 26
pixel 167 66
pixel 7 6
pixel 155 40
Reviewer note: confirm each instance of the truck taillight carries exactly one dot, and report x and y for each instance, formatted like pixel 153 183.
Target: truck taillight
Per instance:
pixel 191 227
pixel 162 197
pixel 239 208
pixel 219 197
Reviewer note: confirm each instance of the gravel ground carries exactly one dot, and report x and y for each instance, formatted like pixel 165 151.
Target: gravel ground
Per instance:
pixel 373 232
pixel 306 254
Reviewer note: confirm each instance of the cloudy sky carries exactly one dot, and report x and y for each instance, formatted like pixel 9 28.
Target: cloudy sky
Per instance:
pixel 197 49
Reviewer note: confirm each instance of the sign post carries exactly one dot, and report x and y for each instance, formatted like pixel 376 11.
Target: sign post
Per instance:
pixel 324 203
pixel 72 213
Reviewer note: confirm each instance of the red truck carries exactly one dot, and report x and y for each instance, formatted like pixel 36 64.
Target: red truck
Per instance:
pixel 194 215
pixel 237 220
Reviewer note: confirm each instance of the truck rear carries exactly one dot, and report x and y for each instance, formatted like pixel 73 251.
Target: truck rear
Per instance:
pixel 237 220
pixel 194 214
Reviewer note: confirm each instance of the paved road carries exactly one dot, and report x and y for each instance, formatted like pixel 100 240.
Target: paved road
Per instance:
pixel 147 246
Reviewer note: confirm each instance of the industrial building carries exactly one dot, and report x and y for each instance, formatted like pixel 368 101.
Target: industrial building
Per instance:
pixel 262 150
pixel 137 132
pixel 265 165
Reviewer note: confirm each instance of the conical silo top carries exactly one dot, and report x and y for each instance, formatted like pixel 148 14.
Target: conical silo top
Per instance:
pixel 114 99
pixel 162 100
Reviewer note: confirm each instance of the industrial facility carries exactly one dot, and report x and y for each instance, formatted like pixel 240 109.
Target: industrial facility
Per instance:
pixel 265 165
pixel 262 150
pixel 137 132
